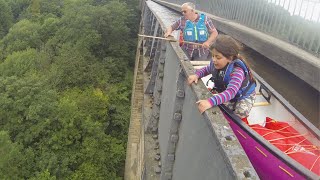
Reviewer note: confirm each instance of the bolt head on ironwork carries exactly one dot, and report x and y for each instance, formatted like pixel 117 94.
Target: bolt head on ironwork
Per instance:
pixel 162 60
pixel 155 114
pixel 157 170
pixel 158 102
pixel 168 176
pixel 159 88
pixel 174 138
pixel 157 157
pixel 171 157
pixel 154 129
pixel 229 138
pixel 177 116
pixel 247 174
pixel 161 75
pixel 180 93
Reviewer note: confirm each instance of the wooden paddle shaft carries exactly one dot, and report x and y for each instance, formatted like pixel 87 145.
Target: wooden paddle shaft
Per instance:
pixel 169 39
pixel 261 104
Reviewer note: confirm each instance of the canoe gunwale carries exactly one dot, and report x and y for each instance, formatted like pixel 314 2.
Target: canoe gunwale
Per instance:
pixel 268 146
pixel 304 121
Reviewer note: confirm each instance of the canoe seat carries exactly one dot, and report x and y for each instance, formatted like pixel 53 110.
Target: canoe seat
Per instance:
pixel 200 63
pixel 261 104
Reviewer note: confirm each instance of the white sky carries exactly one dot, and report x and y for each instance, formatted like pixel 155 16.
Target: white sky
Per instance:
pixel 308 9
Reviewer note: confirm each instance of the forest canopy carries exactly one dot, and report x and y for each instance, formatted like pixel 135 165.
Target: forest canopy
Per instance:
pixel 65 87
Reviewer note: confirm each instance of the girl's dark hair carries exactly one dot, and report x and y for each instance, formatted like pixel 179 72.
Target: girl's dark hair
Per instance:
pixel 229 48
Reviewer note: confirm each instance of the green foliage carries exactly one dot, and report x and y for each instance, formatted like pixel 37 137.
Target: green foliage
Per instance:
pixel 118 111
pixel 20 63
pixel 77 67
pixel 101 29
pixel 18 7
pixel 65 88
pixel 74 29
pixel 6 18
pixel 23 35
pixel 49 28
pixel 52 7
pixel 90 102
pixel 12 160
pixel 35 7
pixel 70 68
pixel 25 102
pixel 45 175
pixel 113 28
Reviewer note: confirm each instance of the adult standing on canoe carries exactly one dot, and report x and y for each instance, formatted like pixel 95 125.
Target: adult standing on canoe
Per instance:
pixel 196 28
pixel 233 79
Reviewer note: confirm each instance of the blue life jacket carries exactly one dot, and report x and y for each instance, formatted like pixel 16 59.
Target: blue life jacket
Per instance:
pixel 196 32
pixel 222 78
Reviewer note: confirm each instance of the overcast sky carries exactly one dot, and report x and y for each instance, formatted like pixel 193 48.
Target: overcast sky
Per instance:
pixel 309 9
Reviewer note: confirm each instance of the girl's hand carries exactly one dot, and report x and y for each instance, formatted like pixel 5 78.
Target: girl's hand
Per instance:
pixel 203 105
pixel 192 78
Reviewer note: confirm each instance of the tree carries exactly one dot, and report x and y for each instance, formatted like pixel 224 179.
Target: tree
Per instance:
pixel 6 18
pixel 22 63
pixel 72 68
pixel 23 35
pixel 13 161
pixel 52 7
pixel 28 107
pixel 35 7
pixel 45 175
pixel 118 116
pixel 49 28
pixel 18 7
pixel 65 89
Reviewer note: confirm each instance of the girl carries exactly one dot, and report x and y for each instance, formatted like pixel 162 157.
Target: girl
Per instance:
pixel 232 78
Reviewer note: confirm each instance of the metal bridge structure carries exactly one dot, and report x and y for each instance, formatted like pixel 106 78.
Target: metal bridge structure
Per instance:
pixel 168 137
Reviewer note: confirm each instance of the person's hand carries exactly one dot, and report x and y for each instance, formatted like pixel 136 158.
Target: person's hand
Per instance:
pixel 206 44
pixel 193 78
pixel 203 105
pixel 167 34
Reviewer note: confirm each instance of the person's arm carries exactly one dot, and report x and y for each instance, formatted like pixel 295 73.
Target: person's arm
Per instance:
pixel 168 32
pixel 213 33
pixel 176 25
pixel 237 77
pixel 211 38
pixel 200 73
pixel 204 71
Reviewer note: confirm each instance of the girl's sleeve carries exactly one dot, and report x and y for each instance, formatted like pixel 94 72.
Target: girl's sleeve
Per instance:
pixel 204 71
pixel 236 79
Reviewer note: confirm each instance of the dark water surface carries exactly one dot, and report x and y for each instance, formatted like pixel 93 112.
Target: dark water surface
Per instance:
pixel 299 94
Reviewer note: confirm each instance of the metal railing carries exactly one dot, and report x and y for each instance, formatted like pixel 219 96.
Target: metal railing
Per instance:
pixel 184 137
pixel 294 21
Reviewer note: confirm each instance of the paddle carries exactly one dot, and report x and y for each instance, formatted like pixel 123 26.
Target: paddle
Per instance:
pixel 169 39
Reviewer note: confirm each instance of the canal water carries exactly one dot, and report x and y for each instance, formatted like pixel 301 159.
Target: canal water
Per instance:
pixel 298 93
